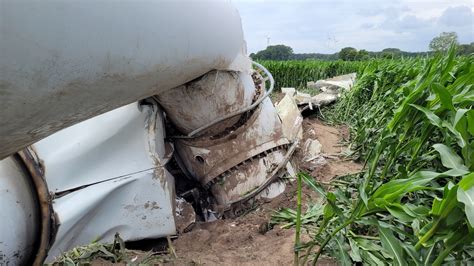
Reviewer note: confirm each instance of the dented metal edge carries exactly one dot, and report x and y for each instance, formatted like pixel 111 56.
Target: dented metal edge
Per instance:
pixel 258 151
pixel 249 108
pixel 272 177
pixel 206 141
pixel 221 177
pixel 49 223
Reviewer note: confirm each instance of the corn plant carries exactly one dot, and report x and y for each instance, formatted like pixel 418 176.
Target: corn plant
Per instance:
pixel 412 122
pixel 297 73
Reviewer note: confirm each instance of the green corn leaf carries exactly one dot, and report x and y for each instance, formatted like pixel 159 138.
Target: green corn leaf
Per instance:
pixel 343 255
pixel 392 245
pixel 459 114
pixel 432 117
pixel 400 214
pixel 414 255
pixel 465 194
pixel 370 259
pixel 312 183
pixel 470 122
pixel 449 158
pixel 444 96
pixel 396 189
pixel 355 251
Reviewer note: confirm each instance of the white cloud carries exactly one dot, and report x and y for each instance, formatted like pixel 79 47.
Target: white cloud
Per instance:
pixel 327 26
pixel 457 16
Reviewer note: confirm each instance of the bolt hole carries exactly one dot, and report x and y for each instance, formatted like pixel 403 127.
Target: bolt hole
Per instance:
pixel 199 159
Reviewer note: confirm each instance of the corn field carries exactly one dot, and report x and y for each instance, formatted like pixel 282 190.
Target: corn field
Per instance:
pixel 297 73
pixel 412 124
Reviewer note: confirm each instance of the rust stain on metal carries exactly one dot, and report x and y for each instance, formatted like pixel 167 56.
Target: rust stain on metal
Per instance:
pixel 49 223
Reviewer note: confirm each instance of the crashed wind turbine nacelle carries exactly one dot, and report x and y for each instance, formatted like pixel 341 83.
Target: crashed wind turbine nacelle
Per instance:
pixel 87 89
pixel 62 62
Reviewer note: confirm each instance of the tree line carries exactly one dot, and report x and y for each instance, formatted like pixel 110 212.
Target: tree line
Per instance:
pixel 439 43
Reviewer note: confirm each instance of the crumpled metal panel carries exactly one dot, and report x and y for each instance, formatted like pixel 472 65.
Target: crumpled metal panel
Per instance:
pixel 237 155
pixel 137 207
pixel 62 62
pixel 19 222
pixel 245 178
pixel 107 175
pixel 213 95
pixel 110 145
pixel 291 118
pixel 206 159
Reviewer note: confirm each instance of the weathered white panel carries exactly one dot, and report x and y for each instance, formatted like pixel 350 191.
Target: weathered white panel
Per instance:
pixel 137 207
pixel 19 219
pixel 62 62
pixel 108 146
pixel 107 174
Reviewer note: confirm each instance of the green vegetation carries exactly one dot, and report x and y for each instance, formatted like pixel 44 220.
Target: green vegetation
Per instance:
pixel 297 73
pixel 412 123
pixel 439 43
pixel 114 253
pixel 444 41
pixel 274 52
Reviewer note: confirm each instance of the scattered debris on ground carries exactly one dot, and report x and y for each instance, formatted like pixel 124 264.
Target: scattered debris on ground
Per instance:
pixel 250 238
pixel 247 239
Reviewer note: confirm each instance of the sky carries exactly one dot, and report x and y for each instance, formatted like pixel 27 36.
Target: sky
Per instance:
pixel 324 26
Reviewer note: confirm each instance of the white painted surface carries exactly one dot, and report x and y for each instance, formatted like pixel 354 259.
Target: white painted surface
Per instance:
pixel 19 219
pixel 112 168
pixel 62 62
pixel 108 146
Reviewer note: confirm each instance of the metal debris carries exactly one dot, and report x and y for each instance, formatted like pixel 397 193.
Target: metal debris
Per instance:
pixel 291 118
pixel 311 148
pixel 329 91
pixel 185 217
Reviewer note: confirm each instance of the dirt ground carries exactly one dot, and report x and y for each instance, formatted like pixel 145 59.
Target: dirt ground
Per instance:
pixel 243 241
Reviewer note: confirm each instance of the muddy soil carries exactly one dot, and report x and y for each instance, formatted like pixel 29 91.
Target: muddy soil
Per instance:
pixel 245 240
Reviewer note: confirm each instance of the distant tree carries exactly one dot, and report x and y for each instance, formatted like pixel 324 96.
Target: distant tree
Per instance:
pixel 443 41
pixel 363 55
pixel 392 50
pixel 348 54
pixel 391 53
pixel 466 49
pixel 275 52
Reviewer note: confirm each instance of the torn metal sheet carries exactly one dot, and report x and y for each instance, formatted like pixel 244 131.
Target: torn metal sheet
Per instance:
pixel 311 148
pixel 207 158
pixel 343 81
pixel 200 102
pixel 137 206
pixel 291 118
pixel 330 91
pixel 290 91
pixel 185 216
pixel 107 175
pixel 90 152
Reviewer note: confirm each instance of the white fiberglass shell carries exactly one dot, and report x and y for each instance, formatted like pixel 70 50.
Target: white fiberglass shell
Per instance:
pixel 110 145
pixel 62 62
pixel 19 223
pixel 107 176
